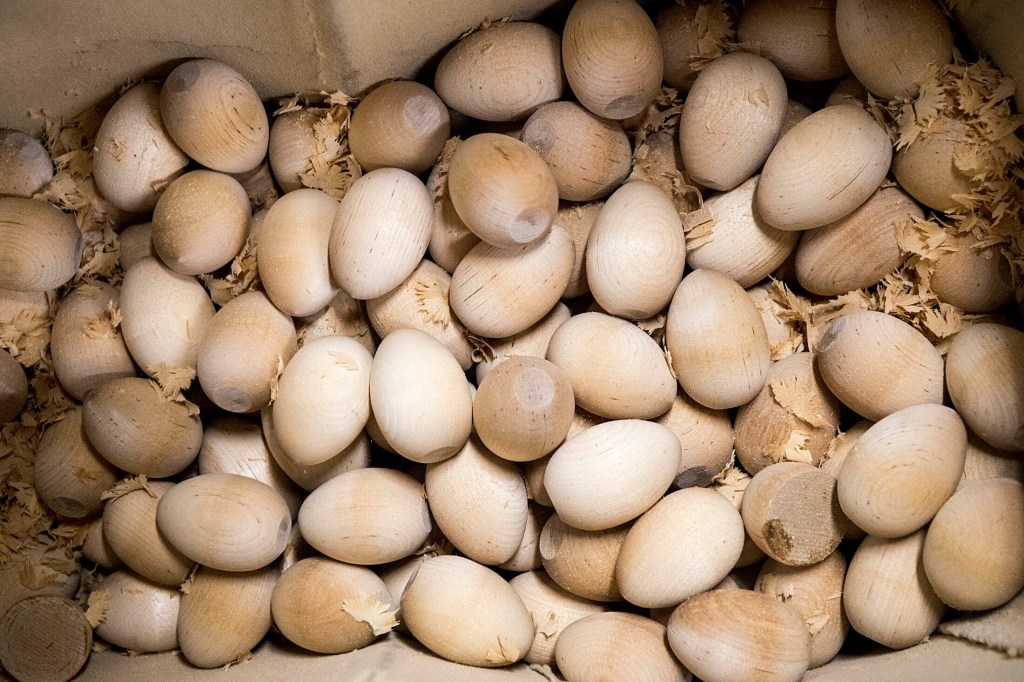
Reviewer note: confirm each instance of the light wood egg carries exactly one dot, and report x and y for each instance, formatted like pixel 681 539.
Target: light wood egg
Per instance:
pixel 799 36
pixel 140 616
pixel 984 462
pixel 292 143
pixel 927 167
pixel 682 38
pixel 578 221
pixel 975 280
pixel 582 562
pixel 69 475
pixel 13 388
pixel 96 549
pixel 344 316
pixel 25 165
pixel 311 477
pixel 527 556
pixel 553 609
pixel 40 245
pixel 705 438
pixel 616 646
pixel 532 341
pixel 401 124
pixel 450 239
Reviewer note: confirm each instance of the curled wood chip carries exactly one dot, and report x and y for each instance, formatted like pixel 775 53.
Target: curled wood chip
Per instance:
pixel 793 450
pixel 240 659
pixel 275 383
pixel 504 652
pixel 186 585
pixel 432 303
pixel 731 483
pixel 170 382
pixel 794 399
pixel 372 611
pixel 128 485
pixel 99 604
pixel 242 276
pixel 441 188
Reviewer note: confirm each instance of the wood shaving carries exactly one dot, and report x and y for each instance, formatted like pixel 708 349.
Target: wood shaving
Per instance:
pixel 171 382
pixel 505 653
pixel 432 303
pixel 372 611
pixel 699 226
pixel 792 397
pixel 128 485
pixel 714 31
pixel 243 275
pixel 654 327
pixel 186 585
pixel 344 360
pixel 731 483
pixel 106 324
pixel 485 24
pixel 793 450
pixel 816 622
pixel 441 186
pixel 243 657
pixel 98 605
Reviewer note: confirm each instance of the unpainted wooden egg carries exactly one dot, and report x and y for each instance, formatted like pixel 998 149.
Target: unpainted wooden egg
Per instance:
pixel 839 449
pixel 344 316
pixel 40 245
pixel 136 243
pixel 401 124
pixel 140 615
pixel 292 143
pixel 553 609
pixel 799 36
pixel 927 167
pixel 258 184
pixel 984 462
pixel 795 112
pixel 25 165
pixel 450 239
pixel 68 473
pixel 616 646
pixel 533 341
pixel 684 40
pixel 44 637
pixel 527 556
pixel 96 549
pixel 731 119
pixel 705 440
pixel 975 280
pixel 848 90
pixel 582 562
pixel 311 477
pixel 578 221
pixel 13 387
pixel 215 116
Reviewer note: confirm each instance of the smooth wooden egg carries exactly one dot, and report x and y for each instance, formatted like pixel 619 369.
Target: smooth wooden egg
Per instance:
pixel 612 57
pixel 717 340
pixel 421 302
pixel 825 167
pixel 244 346
pixel 311 477
pixel 974 280
pixel 682 39
pixel 877 364
pixel 985 376
pixel 589 156
pixel 795 112
pixel 799 36
pixel 705 440
pixel 224 614
pixel 25 165
pixel 974 548
pixel 466 613
pixel 330 607
pixel 726 635
pixel 582 562
pixel 587 474
pixel 420 397
pixel 40 245
pixel 616 646
pixel 200 222
pixel 502 190
pixel 450 239
pixel 553 609
pixel 96 549
pixel 344 316
pixel 984 462
pixel 498 292
pixel 533 342
pixel 225 521
pixel 707 537
pixel 13 388
pixel 731 119
pixel 887 596
pixel 859 249
pixel 848 90
pixel 366 517
pixel 815 592
pixel 502 72
pixel 478 500
pixel 578 221
pixel 141 616
pixel 616 370
pixel 68 473
pixel 927 167
pixel 215 116
pixel 292 143
pixel 742 245
pixel 134 158
pixel 401 124
pixel 892 47
pixel 44 638
pixel 533 472
pixel 903 469
pixel 381 231
pixel 636 252
pixel 165 315
pixel 527 556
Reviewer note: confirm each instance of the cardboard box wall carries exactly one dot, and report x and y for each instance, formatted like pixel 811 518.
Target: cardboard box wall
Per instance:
pixel 63 56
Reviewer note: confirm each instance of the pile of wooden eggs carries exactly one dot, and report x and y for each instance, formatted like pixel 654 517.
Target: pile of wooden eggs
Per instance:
pixel 491 396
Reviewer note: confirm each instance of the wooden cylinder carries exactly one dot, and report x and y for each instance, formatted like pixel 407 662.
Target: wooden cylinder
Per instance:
pixel 40 245
pixel 44 638
pixel 13 388
pixel 401 124
pixel 139 616
pixel 68 473
pixel 616 646
pixel 798 36
pixel 25 165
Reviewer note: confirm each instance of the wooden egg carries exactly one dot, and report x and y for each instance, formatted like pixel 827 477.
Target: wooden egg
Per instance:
pixel 826 166
pixel 636 252
pixel 795 112
pixel 96 549
pixel 799 36
pixel 225 521
pixel 859 249
pixel 344 316
pixel 258 184
pixel 985 376
pixel 848 90
pixel 745 96
pixel 589 156
pixel 816 594
pixel 401 124
pixel 682 38
pixel 616 646
pixel 705 439
pixel 381 231
pixel 717 340
pixel 707 537
pixel 553 609
pixel 137 429
pixel 612 57
pixel 892 47
pixel 742 245
pixel 974 548
pixel 903 469
pixel 14 388
pixel 835 457
pixel 502 72
pixel 69 474
pixel 578 221
pixel 450 239
pixel 311 477
pixel 533 472
pixel 244 346
pixel 587 474
pixel 727 635
pixel 791 512
pixel 598 352
pixel 972 279
pixel 292 143
pixel 134 158
pixel 420 397
pixel 527 556
pixel 233 445
pixel 532 342
pixel 466 613
pixel 479 502
pixel 130 528
pixel 215 116
pixel 523 409
pixel 323 399
pixel 200 222
pixel 877 364
pixel 421 302
pixel 292 254
pixel 887 596
pixel 927 167
pixel 366 517
pixel 498 292
pixel 25 165
pixel 140 616
pixel 45 638
pixel 794 417
pixel 582 562
pixel 40 245
pixel 502 189
pixel 224 614
pixel 330 607
pixel 984 462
